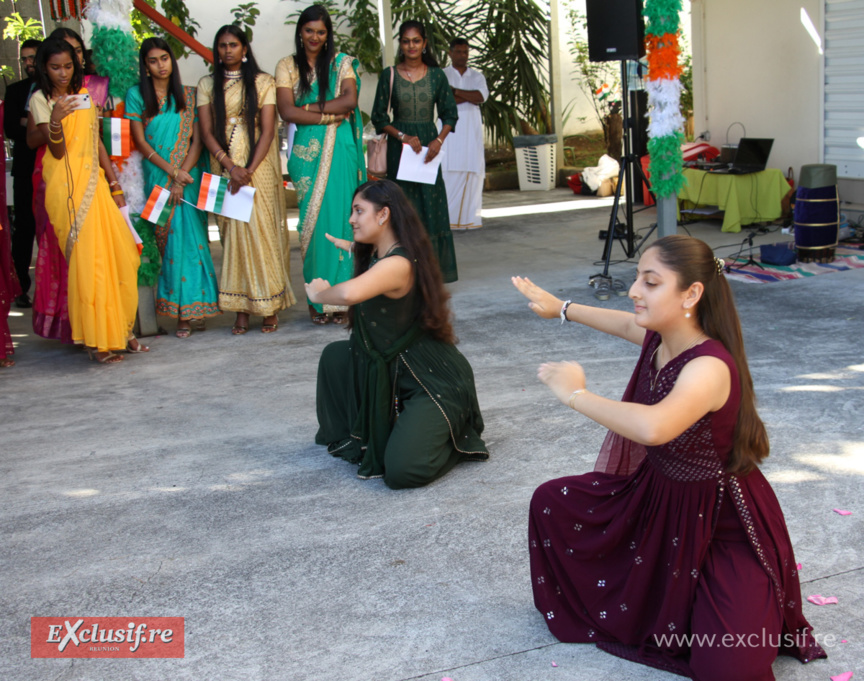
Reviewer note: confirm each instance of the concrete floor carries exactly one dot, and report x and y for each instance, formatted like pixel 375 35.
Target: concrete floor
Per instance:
pixel 186 482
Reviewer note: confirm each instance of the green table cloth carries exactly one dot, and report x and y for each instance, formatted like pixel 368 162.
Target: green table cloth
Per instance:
pixel 744 199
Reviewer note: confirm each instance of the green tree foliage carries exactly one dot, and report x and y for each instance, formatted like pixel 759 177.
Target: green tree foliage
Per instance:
pixel 178 13
pixel 245 15
pixel 509 40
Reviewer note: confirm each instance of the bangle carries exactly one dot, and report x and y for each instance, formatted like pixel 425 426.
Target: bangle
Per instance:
pixel 150 155
pixel 573 397
pixel 117 192
pixel 113 182
pixel 563 313
pixel 175 173
pixel 51 139
pixel 219 158
pixel 440 141
pixel 232 169
pixel 54 125
pixel 400 135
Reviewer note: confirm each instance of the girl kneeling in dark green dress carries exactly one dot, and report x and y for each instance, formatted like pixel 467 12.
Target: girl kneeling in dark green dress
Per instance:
pixel 397 398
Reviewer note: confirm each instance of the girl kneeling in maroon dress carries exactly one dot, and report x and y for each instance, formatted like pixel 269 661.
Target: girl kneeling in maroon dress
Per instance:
pixel 674 551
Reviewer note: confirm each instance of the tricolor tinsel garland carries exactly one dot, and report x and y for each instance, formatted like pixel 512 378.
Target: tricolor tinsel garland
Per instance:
pixel 115 51
pixel 63 10
pixel 664 96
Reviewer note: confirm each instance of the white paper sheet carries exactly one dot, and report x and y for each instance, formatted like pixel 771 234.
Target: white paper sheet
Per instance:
pixel 413 169
pixel 236 206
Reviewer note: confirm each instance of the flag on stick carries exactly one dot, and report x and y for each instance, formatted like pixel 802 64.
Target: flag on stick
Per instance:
pixel 157 209
pixel 115 136
pixel 212 194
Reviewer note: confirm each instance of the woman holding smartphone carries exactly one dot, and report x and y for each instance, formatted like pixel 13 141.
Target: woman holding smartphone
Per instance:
pixel 83 200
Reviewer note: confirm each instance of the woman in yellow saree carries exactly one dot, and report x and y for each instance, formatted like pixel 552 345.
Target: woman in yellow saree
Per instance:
pixel 84 208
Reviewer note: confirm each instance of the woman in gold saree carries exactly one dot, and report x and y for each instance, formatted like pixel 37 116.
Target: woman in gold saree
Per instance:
pixel 84 208
pixel 237 114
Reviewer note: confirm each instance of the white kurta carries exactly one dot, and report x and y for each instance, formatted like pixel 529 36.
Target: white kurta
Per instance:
pixel 463 163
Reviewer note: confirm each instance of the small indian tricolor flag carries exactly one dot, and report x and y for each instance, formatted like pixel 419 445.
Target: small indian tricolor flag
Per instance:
pixel 212 194
pixel 157 209
pixel 115 136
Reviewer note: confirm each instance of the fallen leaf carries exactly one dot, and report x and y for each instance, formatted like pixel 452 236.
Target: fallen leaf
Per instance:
pixel 842 512
pixel 818 599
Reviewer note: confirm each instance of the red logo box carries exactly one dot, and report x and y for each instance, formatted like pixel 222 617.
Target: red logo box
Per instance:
pixel 99 637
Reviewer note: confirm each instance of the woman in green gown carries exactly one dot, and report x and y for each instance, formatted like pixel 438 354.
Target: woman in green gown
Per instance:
pixel 317 90
pixel 419 86
pixel 397 398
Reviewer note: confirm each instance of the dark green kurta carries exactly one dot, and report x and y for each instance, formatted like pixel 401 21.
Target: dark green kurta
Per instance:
pixel 413 112
pixel 429 408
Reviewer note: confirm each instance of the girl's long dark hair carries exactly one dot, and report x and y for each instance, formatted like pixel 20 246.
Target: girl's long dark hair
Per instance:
pixel 428 56
pixel 62 33
pixel 325 56
pixel 412 237
pixel 250 72
pixel 48 49
pixel 148 91
pixel 692 260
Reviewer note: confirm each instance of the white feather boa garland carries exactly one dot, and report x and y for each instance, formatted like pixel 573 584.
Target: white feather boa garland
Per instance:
pixel 664 97
pixel 111 14
pixel 132 180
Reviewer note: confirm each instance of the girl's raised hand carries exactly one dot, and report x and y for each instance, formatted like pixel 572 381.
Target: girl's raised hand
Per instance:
pixel 543 303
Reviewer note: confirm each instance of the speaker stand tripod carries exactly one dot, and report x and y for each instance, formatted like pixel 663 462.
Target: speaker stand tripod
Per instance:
pixel 751 260
pixel 630 176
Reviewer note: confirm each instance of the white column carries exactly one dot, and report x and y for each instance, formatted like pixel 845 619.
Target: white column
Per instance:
pixel 555 87
pixel 385 29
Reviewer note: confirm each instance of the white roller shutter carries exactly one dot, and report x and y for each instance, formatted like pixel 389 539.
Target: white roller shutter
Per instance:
pixel 844 86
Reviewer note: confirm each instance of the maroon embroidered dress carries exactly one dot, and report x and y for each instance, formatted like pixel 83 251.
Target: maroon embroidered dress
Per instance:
pixel 660 542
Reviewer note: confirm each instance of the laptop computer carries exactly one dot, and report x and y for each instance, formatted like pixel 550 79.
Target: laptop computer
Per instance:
pixel 751 156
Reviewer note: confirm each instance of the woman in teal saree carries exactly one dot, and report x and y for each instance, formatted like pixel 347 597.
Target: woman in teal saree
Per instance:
pixel 165 129
pixel 326 164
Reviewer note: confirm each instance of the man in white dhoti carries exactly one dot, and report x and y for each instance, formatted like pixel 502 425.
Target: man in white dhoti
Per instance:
pixel 464 163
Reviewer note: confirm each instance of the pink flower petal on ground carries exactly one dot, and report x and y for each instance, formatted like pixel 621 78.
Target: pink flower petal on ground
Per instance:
pixel 842 512
pixel 446 678
pixel 798 567
pixel 553 664
pixel 844 641
pixel 846 676
pixel 822 600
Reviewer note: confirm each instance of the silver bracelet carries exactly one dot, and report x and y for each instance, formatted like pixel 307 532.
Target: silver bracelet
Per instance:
pixel 573 397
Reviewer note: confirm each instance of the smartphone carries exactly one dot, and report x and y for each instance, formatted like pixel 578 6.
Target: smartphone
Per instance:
pixel 80 102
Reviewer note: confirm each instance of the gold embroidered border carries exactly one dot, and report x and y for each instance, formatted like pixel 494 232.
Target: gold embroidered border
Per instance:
pixel 308 227
pixel 89 192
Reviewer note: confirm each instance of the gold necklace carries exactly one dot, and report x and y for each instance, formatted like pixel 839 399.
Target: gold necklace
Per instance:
pixel 654 354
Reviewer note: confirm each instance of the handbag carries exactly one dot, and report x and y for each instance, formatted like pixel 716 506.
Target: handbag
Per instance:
pixel 376 149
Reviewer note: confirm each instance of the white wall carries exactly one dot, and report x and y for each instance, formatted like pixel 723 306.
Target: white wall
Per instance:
pixel 757 65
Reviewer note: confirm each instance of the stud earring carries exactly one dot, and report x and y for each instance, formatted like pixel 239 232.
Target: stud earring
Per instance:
pixel 687 315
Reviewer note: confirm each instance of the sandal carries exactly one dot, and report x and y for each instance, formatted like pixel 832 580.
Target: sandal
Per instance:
pixel 104 357
pixel 138 347
pixel 270 328
pixel 198 324
pixel 339 318
pixel 620 288
pixel 318 318
pixel 5 363
pixel 185 332
pixel 239 329
pixel 604 289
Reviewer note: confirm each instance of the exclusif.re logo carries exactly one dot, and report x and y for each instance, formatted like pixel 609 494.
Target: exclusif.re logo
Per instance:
pixel 81 637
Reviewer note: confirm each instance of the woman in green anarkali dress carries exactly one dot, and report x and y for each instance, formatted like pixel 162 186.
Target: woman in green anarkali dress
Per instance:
pixel 326 163
pixel 397 398
pixel 419 86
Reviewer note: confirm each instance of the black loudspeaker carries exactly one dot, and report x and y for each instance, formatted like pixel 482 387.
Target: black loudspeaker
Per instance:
pixel 616 30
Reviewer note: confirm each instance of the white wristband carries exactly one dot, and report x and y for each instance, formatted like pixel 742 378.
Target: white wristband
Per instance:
pixel 563 314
